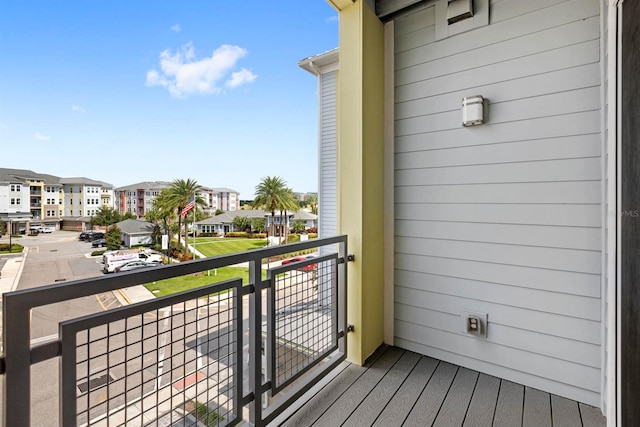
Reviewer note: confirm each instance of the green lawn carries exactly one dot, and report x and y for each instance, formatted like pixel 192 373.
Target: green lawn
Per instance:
pixel 183 283
pixel 217 246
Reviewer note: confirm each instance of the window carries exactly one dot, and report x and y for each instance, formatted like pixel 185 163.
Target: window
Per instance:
pixel 60 212
pixel 60 201
pixel 80 213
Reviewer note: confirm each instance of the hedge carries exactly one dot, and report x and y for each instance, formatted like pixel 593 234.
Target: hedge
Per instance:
pixel 245 235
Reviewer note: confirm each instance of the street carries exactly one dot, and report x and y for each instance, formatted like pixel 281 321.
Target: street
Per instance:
pixel 52 258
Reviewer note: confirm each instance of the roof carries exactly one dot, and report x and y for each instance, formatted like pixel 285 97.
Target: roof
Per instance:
pixel 228 217
pixel 313 64
pixel 135 226
pixel 224 190
pixel 85 181
pixel 19 175
pixel 146 185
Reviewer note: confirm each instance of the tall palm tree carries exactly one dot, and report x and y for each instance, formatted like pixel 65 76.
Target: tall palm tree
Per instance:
pixel 179 193
pixel 287 204
pixel 162 210
pixel 268 196
pixel 313 203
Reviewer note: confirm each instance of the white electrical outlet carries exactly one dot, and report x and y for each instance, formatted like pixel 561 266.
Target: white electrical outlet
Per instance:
pixel 473 323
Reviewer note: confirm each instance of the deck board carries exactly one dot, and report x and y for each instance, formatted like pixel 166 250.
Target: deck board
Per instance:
pixel 376 401
pixel 509 406
pixel 359 390
pixel 402 388
pixel 483 404
pixel 400 405
pixel 428 404
pixel 537 408
pixel 565 412
pixel 457 401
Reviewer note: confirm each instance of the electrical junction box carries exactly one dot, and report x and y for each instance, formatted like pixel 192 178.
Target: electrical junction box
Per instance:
pixel 473 323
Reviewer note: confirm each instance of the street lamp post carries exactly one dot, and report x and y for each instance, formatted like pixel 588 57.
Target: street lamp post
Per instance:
pixel 10 233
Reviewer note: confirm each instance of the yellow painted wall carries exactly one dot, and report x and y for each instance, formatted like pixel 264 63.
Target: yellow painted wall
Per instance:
pixel 360 172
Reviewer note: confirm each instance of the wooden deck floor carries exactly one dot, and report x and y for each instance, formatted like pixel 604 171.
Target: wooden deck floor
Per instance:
pixel 399 387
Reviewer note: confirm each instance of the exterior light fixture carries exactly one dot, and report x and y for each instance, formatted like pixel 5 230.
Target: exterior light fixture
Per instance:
pixel 472 110
pixel 457 10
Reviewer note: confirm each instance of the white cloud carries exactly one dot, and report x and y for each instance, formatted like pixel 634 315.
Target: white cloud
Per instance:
pixel 176 28
pixel 331 19
pixel 239 78
pixel 41 137
pixel 77 109
pixel 182 73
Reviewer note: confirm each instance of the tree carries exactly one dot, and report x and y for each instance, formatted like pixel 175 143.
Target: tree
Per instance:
pixel 113 238
pixel 241 223
pixel 106 216
pixel 269 194
pixel 156 235
pixel 162 211
pixel 3 227
pixel 128 215
pixel 258 224
pixel 298 226
pixel 179 193
pixel 313 203
pixel 287 204
pixel 218 212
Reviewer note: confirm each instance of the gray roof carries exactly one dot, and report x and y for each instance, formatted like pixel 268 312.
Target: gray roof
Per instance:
pixel 135 226
pixel 146 185
pixel 228 217
pixel 224 190
pixel 19 175
pixel 85 181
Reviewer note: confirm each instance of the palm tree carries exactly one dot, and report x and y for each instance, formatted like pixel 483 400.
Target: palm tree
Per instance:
pixel 269 194
pixel 287 204
pixel 162 211
pixel 178 195
pixel 313 203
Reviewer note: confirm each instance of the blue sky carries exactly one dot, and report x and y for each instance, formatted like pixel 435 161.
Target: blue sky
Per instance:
pixel 130 91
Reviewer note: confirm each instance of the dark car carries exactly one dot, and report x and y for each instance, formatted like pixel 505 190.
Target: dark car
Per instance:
pixel 94 236
pixel 309 267
pixel 98 243
pixel 83 235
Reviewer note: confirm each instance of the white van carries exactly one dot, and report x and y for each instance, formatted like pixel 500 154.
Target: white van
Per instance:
pixel 114 259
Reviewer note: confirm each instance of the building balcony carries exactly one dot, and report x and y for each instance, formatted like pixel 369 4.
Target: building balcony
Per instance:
pixel 270 351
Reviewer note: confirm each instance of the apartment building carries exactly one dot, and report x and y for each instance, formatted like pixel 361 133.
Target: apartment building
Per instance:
pixel 83 197
pixel 138 198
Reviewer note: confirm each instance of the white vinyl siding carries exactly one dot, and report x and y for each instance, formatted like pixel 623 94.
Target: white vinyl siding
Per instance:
pixel 327 226
pixel 504 218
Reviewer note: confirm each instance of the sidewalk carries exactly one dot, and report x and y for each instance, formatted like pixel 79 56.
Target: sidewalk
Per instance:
pixel 10 273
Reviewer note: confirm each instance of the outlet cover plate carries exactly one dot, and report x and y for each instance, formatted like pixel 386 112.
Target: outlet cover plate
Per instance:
pixel 464 313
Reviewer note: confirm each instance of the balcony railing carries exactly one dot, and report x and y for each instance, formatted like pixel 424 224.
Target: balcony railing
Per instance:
pixel 181 359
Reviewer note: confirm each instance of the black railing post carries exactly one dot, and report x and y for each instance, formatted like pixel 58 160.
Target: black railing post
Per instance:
pixel 16 318
pixel 255 341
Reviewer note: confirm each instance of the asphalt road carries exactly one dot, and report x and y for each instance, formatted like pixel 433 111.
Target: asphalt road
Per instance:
pixel 51 258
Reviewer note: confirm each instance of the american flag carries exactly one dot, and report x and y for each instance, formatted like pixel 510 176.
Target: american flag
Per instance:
pixel 188 207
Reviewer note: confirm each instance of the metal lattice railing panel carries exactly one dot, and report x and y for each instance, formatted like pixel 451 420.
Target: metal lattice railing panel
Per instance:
pixel 305 328
pixel 171 361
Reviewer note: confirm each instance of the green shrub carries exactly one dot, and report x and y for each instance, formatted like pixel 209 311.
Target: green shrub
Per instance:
pixel 15 248
pixel 292 238
pixel 32 234
pixel 96 253
pixel 19 236
pixel 244 235
pixel 313 235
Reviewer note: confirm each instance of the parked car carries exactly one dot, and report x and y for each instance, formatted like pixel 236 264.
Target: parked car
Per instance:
pixel 83 235
pixel 48 229
pixel 309 267
pixel 36 229
pixel 98 243
pixel 94 236
pixel 135 265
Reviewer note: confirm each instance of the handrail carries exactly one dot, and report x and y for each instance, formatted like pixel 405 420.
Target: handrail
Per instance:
pixel 16 363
